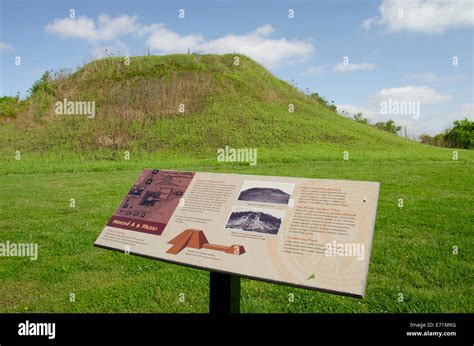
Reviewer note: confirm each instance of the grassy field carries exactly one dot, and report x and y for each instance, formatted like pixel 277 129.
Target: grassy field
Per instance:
pixel 412 252
pixel 64 157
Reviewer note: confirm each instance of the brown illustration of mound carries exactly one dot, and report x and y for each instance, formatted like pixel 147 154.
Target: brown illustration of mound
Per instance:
pixel 196 239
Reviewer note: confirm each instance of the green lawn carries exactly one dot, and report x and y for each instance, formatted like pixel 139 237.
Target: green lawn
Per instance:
pixel 244 106
pixel 412 251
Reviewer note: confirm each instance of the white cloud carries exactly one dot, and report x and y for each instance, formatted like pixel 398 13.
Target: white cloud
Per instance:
pixel 166 41
pixel 423 94
pixel 427 16
pixel 257 44
pixel 85 28
pixel 341 67
pixel 265 30
pixel 430 77
pixel 5 47
pixel 352 109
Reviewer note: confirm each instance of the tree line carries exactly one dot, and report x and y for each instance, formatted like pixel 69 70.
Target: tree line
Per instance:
pixel 460 135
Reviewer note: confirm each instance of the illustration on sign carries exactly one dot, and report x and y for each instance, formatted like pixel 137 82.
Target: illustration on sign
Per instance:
pixel 196 239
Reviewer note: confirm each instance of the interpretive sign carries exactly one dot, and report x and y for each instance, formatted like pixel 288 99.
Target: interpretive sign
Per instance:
pixel 311 233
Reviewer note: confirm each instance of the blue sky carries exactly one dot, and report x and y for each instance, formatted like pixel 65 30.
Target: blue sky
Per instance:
pixel 406 51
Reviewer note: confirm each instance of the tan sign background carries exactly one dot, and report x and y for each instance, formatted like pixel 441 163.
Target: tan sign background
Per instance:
pixel 310 233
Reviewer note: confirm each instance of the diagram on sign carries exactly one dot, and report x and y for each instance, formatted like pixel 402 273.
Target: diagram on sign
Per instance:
pixel 151 201
pixel 196 239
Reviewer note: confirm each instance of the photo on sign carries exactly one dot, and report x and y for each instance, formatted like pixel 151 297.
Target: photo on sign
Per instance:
pixel 255 220
pixel 266 191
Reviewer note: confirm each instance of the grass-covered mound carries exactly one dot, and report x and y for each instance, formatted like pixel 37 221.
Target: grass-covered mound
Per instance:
pixel 138 108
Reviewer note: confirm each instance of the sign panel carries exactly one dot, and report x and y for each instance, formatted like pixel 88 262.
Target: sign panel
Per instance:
pixel 310 233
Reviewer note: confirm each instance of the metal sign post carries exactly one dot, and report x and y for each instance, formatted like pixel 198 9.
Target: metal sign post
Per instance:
pixel 224 295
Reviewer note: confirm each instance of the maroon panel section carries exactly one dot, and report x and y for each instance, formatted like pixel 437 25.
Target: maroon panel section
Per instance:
pixel 151 201
pixel 137 225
